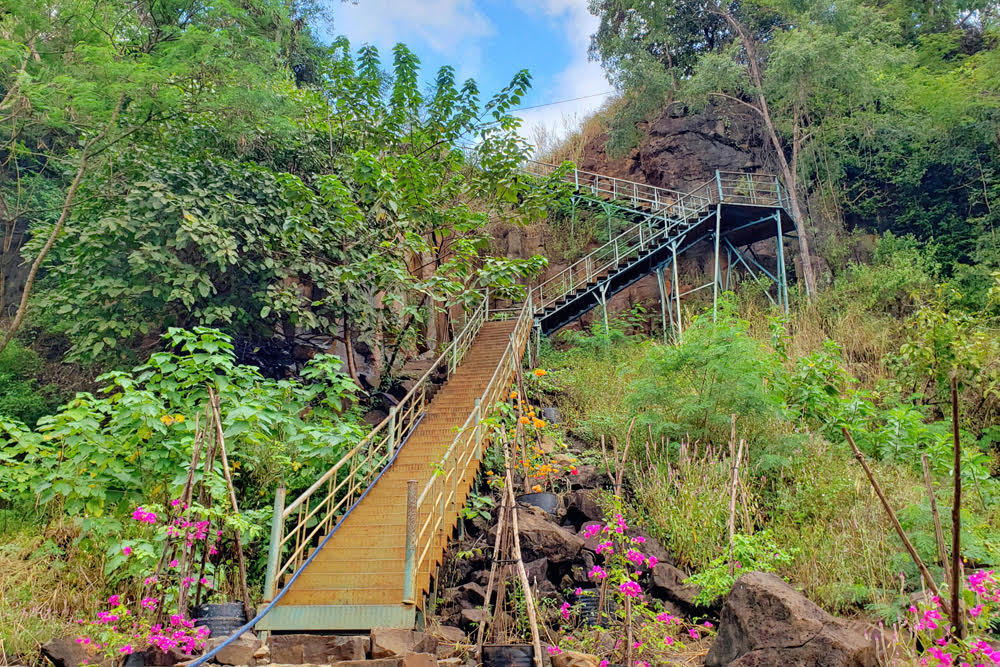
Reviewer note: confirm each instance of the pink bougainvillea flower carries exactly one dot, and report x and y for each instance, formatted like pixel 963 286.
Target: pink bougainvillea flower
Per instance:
pixel 127 649
pixel 174 563
pixel 114 600
pixel 708 624
pixel 591 530
pixel 631 589
pixel 554 650
pixel 694 633
pixel 127 551
pixel 597 572
pixel 578 591
pixel 564 610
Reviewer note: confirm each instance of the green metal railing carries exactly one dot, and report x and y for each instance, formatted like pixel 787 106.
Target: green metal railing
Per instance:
pixel 300 525
pixel 683 211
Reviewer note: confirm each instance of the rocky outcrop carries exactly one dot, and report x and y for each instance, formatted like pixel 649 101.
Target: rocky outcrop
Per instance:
pixel 541 538
pixel 766 622
pixel 239 652
pixel 681 149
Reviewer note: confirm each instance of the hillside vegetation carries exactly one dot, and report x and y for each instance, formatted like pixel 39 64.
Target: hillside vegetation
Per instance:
pixel 211 215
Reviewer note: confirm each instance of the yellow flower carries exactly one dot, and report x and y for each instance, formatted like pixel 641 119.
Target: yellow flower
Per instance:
pixel 524 420
pixel 489 473
pixel 538 423
pixel 539 372
pixel 179 419
pixel 166 420
pixel 513 395
pixel 536 488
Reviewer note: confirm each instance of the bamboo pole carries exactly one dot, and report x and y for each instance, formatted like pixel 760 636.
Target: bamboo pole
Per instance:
pixel 938 532
pixel 523 575
pixel 928 579
pixel 956 517
pixel 221 442
pixel 734 482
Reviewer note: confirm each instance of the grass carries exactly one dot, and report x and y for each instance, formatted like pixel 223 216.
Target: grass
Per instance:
pixel 48 581
pixel 809 493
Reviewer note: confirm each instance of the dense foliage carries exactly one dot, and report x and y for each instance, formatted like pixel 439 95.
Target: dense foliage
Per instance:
pixel 886 113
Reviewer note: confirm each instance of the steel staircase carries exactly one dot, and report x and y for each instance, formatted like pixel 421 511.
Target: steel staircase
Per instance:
pixel 385 544
pixel 359 547
pixel 735 207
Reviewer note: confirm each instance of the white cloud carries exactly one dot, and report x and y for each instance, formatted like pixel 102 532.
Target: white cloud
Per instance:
pixel 451 28
pixel 580 78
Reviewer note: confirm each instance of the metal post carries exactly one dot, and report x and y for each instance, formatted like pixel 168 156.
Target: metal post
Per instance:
pixel 454 501
pixel 616 252
pixel 718 182
pixel 717 278
pixel 572 216
pixel 783 276
pixel 729 266
pixel 663 302
pixel 677 293
pixel 409 572
pixel 391 440
pixel 604 307
pixel 274 549
pixel 777 191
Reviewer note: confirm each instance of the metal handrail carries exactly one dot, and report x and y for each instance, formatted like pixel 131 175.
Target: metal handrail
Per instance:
pixel 685 209
pixel 439 499
pixel 314 511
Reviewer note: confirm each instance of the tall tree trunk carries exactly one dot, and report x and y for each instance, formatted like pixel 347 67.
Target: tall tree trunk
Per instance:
pixel 81 169
pixel 788 171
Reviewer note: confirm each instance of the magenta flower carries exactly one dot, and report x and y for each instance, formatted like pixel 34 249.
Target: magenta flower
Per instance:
pixel 597 572
pixel 564 610
pixel 114 600
pixel 554 650
pixel 694 633
pixel 127 551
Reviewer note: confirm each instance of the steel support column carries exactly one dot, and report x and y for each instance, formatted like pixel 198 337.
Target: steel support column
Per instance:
pixel 663 301
pixel 782 275
pixel 717 278
pixel 677 294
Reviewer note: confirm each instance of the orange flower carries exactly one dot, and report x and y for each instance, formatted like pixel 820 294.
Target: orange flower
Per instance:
pixel 536 488
pixel 538 423
pixel 524 420
pixel 539 372
pixel 513 395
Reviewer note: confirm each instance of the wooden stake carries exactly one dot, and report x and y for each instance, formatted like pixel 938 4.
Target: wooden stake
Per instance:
pixel 956 517
pixel 221 441
pixel 733 485
pixel 928 579
pixel 523 575
pixel 938 532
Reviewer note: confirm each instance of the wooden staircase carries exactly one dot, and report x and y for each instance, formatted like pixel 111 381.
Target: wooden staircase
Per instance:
pixel 357 580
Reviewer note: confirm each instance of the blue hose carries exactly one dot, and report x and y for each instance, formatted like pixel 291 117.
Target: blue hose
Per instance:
pixel 266 610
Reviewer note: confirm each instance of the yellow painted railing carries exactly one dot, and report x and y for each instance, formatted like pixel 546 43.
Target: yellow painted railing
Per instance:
pixel 439 500
pixel 298 526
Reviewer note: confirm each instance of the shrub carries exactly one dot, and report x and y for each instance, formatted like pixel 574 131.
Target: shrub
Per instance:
pixel 21 397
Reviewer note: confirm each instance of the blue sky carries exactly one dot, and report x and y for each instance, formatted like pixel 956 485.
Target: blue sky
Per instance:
pixel 490 40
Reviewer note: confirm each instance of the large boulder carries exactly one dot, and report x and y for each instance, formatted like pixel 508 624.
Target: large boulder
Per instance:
pixel 317 649
pixel 668 584
pixel 239 652
pixel 540 538
pixel 582 506
pixel 395 642
pixel 574 659
pixel 766 622
pixel 70 653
